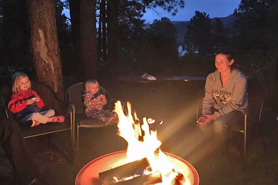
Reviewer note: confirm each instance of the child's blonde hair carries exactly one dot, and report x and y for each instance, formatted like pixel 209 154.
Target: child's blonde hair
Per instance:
pixel 88 82
pixel 17 76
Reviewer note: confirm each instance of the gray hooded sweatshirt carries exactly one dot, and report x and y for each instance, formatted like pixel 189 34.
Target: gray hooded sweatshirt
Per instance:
pixel 233 96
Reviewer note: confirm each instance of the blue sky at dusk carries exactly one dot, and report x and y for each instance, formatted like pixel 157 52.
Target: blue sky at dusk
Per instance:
pixel 215 8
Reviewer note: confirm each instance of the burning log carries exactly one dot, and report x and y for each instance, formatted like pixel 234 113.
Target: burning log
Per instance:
pixel 150 179
pixel 179 179
pixel 138 173
pixel 128 170
pixel 143 142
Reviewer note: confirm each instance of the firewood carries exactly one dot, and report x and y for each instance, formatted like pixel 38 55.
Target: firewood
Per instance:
pixel 150 179
pixel 179 179
pixel 135 168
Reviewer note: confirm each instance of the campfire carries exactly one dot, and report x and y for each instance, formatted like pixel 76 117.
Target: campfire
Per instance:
pixel 142 163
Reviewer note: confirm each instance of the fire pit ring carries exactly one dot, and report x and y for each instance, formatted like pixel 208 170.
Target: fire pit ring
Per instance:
pixel 88 175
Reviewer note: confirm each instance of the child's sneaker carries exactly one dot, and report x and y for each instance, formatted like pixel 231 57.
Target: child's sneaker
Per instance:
pixel 58 119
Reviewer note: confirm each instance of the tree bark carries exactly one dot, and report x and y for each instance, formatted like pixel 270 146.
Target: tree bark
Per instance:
pixel 88 38
pixel 44 44
pixel 113 36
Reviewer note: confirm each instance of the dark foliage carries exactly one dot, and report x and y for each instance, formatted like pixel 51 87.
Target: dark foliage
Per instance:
pixel 198 34
pixel 14 34
pixel 159 51
pixel 257 23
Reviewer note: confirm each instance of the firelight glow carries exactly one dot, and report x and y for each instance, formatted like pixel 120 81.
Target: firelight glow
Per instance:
pixel 145 145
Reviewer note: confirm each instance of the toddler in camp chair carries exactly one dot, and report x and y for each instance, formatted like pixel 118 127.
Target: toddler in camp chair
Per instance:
pixel 94 101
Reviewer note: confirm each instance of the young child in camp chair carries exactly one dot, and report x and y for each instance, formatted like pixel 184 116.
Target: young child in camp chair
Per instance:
pixel 94 101
pixel 26 104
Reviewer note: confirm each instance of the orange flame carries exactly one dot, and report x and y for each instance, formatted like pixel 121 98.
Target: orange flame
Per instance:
pixel 144 145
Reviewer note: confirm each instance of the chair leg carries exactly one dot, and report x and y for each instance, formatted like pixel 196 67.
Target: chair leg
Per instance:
pixel 77 138
pixel 263 141
pixel 197 113
pixel 72 131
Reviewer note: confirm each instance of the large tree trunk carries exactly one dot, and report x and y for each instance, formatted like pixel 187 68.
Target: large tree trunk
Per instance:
pixel 113 36
pixel 44 44
pixel 88 37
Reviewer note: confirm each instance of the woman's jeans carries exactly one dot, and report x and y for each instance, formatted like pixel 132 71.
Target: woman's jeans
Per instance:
pixel 224 123
pixel 217 132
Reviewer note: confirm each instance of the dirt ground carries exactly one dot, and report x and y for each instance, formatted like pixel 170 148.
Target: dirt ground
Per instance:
pixel 175 104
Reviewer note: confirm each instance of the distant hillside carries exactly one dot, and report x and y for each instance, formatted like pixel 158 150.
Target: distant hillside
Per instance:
pixel 181 26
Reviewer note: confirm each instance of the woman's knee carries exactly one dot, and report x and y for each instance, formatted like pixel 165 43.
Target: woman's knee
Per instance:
pixel 219 126
pixel 206 130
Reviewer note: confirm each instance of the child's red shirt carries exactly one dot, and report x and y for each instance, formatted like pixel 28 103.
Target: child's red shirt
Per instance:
pixel 18 102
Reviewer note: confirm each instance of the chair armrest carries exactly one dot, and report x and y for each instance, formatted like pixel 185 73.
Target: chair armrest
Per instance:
pixel 71 111
pixel 71 107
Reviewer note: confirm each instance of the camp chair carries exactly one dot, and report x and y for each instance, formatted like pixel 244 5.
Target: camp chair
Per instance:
pixel 256 96
pixel 51 102
pixel 74 96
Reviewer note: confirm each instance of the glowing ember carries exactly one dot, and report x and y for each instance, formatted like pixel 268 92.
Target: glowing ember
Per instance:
pixel 143 143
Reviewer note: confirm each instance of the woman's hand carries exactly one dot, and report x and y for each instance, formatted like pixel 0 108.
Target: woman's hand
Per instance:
pixel 202 120
pixel 209 119
pixel 205 119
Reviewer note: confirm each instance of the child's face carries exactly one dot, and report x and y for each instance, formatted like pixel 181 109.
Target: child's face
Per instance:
pixel 24 83
pixel 93 88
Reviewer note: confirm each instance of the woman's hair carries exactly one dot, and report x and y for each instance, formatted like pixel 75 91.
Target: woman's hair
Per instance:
pixel 230 55
pixel 17 76
pixel 88 82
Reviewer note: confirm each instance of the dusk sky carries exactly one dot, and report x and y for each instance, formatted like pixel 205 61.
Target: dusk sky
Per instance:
pixel 215 8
